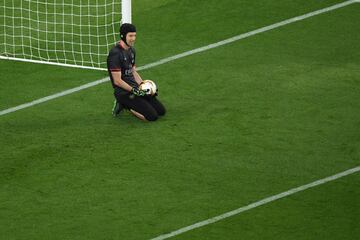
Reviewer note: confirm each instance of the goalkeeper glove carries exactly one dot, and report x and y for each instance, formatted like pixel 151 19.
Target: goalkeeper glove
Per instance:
pixel 138 92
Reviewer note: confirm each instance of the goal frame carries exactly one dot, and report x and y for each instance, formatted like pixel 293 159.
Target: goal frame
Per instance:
pixel 126 17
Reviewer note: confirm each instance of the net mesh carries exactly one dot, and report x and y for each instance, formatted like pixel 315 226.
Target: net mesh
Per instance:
pixel 74 32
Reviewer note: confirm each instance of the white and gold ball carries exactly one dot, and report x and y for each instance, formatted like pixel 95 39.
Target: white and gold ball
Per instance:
pixel 149 87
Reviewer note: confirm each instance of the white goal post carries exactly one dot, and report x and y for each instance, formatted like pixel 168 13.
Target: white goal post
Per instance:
pixel 73 33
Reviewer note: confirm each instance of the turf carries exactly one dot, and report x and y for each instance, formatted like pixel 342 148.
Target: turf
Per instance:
pixel 244 122
pixel 309 215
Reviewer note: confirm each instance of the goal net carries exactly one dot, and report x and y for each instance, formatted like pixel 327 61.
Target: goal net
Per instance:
pixel 76 33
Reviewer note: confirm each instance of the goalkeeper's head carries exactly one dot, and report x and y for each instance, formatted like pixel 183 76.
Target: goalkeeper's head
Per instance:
pixel 128 33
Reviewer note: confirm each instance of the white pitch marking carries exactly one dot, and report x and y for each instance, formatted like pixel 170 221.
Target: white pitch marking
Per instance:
pixel 185 54
pixel 49 63
pixel 48 98
pixel 257 204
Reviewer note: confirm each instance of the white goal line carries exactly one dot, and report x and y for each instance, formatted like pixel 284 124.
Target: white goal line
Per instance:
pixel 172 58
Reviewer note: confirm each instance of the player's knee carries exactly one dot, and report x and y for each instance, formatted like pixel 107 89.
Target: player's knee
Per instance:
pixel 161 111
pixel 151 117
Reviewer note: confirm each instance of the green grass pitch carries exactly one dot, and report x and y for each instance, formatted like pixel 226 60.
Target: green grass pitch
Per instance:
pixel 245 121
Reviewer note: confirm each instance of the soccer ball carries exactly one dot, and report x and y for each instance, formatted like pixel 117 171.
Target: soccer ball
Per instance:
pixel 149 87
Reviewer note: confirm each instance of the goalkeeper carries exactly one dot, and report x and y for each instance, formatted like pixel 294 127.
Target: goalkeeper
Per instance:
pixel 126 80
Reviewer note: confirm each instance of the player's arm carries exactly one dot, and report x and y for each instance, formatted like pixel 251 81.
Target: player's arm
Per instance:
pixel 119 82
pixel 137 76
